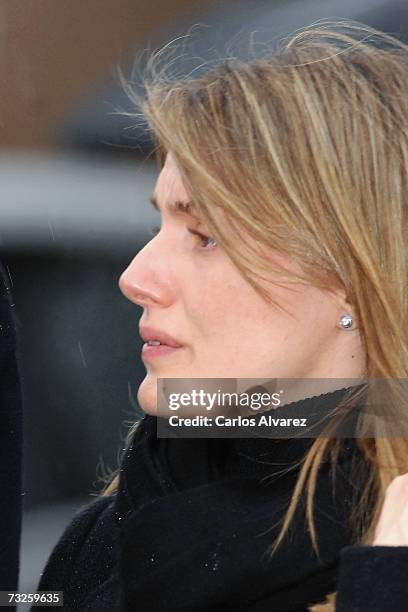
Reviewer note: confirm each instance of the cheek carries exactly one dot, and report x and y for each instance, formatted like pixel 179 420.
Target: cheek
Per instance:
pixel 214 307
pixel 225 308
pixel 213 310
pixel 316 309
pixel 312 327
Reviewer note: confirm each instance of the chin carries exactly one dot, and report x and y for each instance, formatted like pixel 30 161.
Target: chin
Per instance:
pixel 147 395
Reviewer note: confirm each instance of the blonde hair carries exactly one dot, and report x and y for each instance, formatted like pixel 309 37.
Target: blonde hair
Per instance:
pixel 306 149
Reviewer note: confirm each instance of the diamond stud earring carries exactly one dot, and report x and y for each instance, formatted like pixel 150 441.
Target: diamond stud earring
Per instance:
pixel 346 321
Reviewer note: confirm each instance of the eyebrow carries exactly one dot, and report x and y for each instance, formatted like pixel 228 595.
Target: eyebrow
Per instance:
pixel 176 208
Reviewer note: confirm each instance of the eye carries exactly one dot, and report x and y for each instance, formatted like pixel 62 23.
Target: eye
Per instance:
pixel 205 240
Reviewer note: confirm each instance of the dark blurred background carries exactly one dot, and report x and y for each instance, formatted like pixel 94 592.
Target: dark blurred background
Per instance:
pixel 76 177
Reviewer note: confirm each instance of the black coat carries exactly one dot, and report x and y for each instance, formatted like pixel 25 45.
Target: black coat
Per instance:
pixel 192 521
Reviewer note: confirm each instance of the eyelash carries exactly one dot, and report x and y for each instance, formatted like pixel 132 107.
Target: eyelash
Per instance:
pixel 155 230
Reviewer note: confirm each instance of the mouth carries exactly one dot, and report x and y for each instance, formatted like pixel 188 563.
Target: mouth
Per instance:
pixel 153 351
pixel 158 343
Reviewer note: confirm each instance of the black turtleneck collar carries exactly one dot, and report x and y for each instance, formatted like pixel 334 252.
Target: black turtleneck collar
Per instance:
pixel 153 467
pixel 197 517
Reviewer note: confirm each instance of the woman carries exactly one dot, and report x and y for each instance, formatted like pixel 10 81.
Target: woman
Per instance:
pixel 282 253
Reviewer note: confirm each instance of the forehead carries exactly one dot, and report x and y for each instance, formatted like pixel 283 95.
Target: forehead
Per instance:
pixel 170 194
pixel 169 185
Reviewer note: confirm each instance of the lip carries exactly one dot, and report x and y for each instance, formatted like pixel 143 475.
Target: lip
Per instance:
pixel 150 333
pixel 168 343
pixel 152 352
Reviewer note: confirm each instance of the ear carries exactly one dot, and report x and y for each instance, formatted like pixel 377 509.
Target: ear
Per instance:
pixel 343 303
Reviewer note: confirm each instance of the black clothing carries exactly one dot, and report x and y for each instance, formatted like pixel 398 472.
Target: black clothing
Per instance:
pixel 373 579
pixel 10 444
pixel 190 525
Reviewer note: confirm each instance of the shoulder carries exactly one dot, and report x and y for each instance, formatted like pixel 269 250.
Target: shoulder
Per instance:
pixel 69 551
pixel 84 519
pixel 372 577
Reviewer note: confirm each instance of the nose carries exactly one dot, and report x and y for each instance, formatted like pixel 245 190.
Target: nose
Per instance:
pixel 146 280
